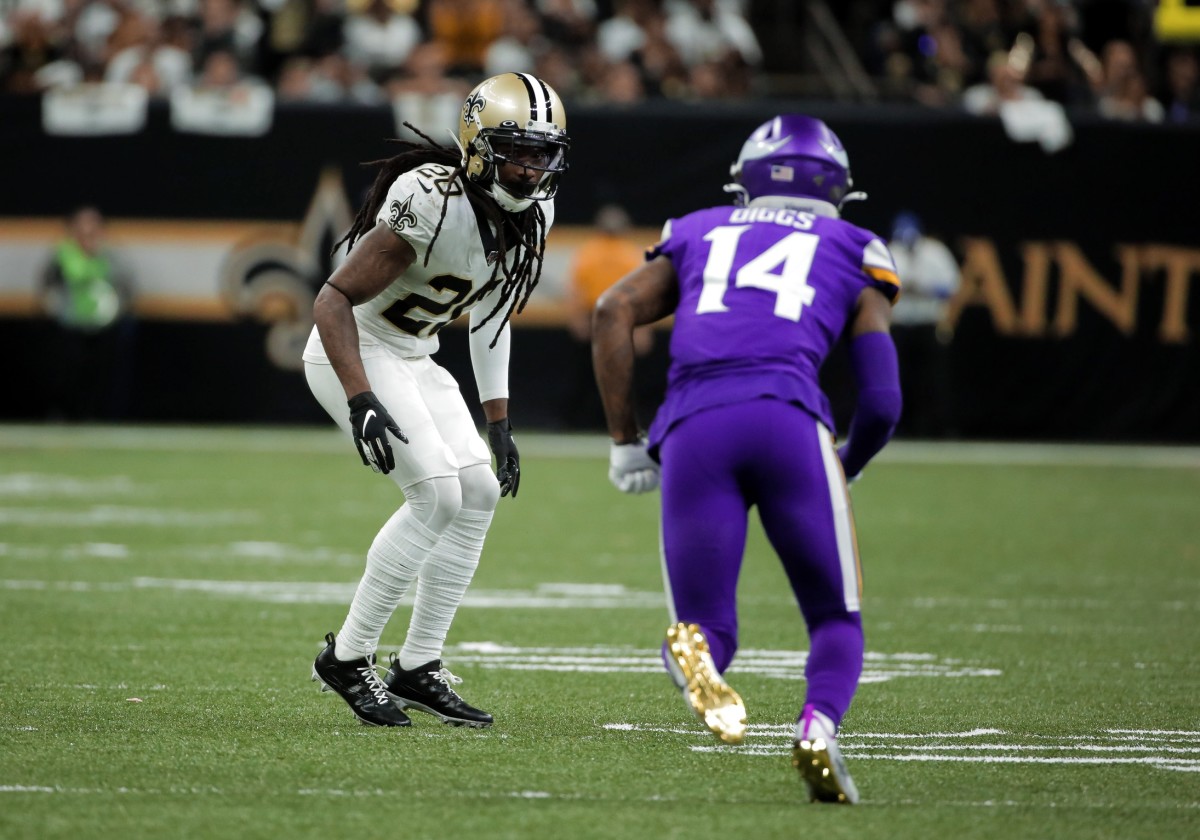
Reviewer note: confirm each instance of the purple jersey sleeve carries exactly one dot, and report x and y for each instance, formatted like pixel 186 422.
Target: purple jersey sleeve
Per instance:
pixel 764 294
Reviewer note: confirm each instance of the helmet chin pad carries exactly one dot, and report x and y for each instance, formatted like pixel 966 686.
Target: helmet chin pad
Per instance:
pixel 508 201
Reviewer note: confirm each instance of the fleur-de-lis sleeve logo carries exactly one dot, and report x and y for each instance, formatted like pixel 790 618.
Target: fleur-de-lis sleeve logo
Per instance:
pixel 400 216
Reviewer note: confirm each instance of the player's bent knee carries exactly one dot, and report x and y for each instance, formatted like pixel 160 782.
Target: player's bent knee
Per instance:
pixel 480 489
pixel 435 501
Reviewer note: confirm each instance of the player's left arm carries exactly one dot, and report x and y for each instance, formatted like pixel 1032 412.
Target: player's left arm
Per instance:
pixel 490 351
pixel 877 374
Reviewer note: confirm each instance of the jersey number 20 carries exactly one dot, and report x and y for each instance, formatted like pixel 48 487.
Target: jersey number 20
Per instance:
pixel 398 312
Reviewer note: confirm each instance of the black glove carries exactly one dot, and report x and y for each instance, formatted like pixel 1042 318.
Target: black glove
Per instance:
pixel 508 460
pixel 369 423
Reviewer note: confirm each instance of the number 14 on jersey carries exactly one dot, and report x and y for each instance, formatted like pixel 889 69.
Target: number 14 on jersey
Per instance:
pixel 783 269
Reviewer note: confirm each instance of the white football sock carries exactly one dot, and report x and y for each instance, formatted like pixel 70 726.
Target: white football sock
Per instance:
pixel 441 585
pixel 400 549
pixel 813 724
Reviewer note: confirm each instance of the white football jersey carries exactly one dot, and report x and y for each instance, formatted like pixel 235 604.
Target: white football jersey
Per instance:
pixel 408 314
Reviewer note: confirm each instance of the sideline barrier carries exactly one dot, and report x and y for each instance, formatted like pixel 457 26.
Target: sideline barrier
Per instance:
pixel 1076 319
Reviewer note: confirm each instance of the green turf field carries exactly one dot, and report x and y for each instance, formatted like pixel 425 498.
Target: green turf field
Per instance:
pixel 1033 639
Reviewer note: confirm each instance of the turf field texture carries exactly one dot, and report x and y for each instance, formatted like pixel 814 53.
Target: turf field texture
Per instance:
pixel 1033 638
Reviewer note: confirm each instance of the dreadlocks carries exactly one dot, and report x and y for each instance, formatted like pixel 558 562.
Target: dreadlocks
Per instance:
pixel 517 277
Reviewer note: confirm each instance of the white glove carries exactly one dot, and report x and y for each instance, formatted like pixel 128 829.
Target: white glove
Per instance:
pixel 631 469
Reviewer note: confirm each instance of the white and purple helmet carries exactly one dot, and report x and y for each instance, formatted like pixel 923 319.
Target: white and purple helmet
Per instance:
pixel 793 156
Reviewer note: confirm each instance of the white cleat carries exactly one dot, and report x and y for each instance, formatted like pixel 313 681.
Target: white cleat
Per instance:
pixel 704 690
pixel 816 755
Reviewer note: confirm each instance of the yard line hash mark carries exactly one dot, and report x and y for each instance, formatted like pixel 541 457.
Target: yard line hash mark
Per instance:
pixel 1160 749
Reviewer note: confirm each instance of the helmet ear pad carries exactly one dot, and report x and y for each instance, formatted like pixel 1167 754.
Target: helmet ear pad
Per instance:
pixel 478 168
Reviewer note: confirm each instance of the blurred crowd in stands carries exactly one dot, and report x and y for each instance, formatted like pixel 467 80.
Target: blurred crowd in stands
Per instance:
pixel 1097 54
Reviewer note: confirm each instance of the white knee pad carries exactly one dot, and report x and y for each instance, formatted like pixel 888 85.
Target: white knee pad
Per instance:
pixel 480 490
pixel 435 502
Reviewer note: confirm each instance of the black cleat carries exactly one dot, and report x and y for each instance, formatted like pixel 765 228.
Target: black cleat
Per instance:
pixel 427 689
pixel 359 685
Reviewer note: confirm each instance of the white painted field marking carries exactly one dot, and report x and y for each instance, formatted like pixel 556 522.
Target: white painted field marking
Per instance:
pixel 544 596
pixel 82 551
pixel 1161 749
pixel 1033 602
pixel 266 439
pixel 44 485
pixel 99 515
pixel 774 664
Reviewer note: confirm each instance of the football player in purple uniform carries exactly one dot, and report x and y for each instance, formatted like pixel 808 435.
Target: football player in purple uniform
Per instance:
pixel 760 293
pixel 444 232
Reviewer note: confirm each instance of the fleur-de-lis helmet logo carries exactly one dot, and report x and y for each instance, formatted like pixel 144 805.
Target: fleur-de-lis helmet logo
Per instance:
pixel 472 106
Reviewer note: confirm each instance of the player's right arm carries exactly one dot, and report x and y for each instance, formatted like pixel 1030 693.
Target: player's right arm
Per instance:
pixel 374 262
pixel 645 295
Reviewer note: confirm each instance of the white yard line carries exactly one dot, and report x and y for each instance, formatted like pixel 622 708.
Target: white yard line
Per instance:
pixel 1000 747
pixel 571 446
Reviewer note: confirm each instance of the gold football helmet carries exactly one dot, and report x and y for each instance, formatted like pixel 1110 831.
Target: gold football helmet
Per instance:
pixel 514 118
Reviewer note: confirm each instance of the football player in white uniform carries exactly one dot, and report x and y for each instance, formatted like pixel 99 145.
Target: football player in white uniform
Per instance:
pixel 444 231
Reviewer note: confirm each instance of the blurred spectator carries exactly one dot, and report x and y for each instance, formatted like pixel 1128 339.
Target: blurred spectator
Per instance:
pixel 1051 70
pixel 297 83
pixel 706 31
pixel 89 295
pixel 621 84
pixel 662 68
pixel 227 26
pixel 466 28
pixel 424 93
pixel 329 79
pixel 623 34
pixel 568 22
pixel 141 53
pixel 929 277
pixel 336 75
pixel 602 259
pixel 943 67
pixel 1123 94
pixel 1179 94
pixel 924 51
pixel 221 71
pixel 1005 84
pixel 299 28
pixel 33 46
pixel 88 26
pixel 981 33
pixel 559 69
pixel 380 34
pixel 521 41
pixel 709 81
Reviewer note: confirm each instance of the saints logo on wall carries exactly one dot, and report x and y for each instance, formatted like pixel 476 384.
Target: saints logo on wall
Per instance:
pixel 274 277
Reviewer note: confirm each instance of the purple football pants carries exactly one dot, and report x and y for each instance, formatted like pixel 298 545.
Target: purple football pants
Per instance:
pixel 718 463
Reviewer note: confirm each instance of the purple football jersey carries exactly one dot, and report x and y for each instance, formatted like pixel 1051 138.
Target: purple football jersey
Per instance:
pixel 764 294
